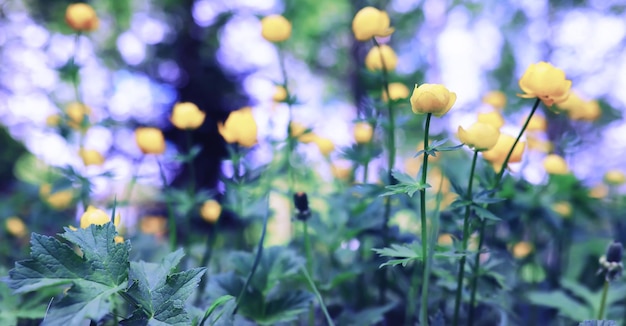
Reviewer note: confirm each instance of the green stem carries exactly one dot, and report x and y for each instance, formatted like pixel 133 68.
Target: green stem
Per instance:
pixel 481 235
pixel 192 169
pixel 236 160
pixel 307 247
pixel 170 210
pixel 133 181
pixel 605 291
pixel 459 286
pixel 426 275
pixel 319 298
pixel 205 262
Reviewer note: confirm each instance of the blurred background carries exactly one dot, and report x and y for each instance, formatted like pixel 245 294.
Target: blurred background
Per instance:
pixel 149 54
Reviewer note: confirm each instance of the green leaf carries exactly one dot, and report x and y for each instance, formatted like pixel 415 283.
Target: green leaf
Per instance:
pixel 159 293
pixel 219 302
pixel 598 323
pixel 96 276
pixel 403 177
pixel 484 214
pixel 368 316
pixel 400 254
pixel 566 306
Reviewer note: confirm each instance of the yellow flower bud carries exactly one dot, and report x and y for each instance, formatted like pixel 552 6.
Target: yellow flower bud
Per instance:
pixel 81 17
pixel 544 81
pixel 186 115
pixel 555 164
pixel 480 136
pixel 397 91
pixel 211 211
pixel 78 114
pixel 493 118
pixel 369 22
pixel 325 145
pixel 150 140
pixel 363 132
pixel 614 177
pixel 53 120
pixel 445 240
pixel 153 225
pixel 59 200
pixel 536 123
pixel 522 249
pixel 91 157
pixel 600 191
pixel 240 127
pixel 16 227
pixel 496 99
pixel 280 94
pixel 432 98
pixel 275 28
pixel 380 57
pixel 94 216
pixel 498 153
pixel 563 208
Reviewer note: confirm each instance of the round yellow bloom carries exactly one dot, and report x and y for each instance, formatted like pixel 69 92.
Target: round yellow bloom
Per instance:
pixel 536 123
pixel 363 132
pixel 81 17
pixel 539 145
pixel 95 216
pixel 301 132
pixel 380 57
pixel 211 211
pixel 397 91
pixel 563 208
pixel 16 227
pixel 493 118
pixel 522 249
pixel 432 98
pixel 600 191
pixel 78 114
pixel 479 136
pixel 588 111
pixel 275 28
pixel 498 153
pixel 614 177
pixel 240 127
pixel 496 99
pixel 280 94
pixel 325 145
pixel 445 240
pixel 544 81
pixel 59 200
pixel 186 115
pixel 53 120
pixel 369 22
pixel 91 157
pixel 572 103
pixel 150 140
pixel 555 164
pixel 153 225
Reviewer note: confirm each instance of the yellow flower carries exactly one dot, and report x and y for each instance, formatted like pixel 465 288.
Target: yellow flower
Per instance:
pixel 536 123
pixel 78 115
pixel 150 140
pixel 81 17
pixel 280 94
pixel 240 128
pixel 600 191
pixel 301 133
pixel 432 98
pixel 16 227
pixel 363 132
pixel 445 240
pixel 614 177
pixel 186 115
pixel 496 99
pixel 275 28
pixel 563 208
pixel 53 120
pixel 539 145
pixel 370 22
pixel 380 57
pixel 498 153
pixel 480 136
pixel 341 172
pixel 118 239
pixel 493 118
pixel 522 249
pixel 325 145
pixel 572 103
pixel 544 81
pixel 59 200
pixel 555 164
pixel 397 91
pixel 95 216
pixel 91 157
pixel 211 211
pixel 153 225
pixel 588 111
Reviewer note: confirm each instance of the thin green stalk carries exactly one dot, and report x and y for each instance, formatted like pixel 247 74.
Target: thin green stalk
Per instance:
pixel 192 168
pixel 459 286
pixel 605 292
pixel 319 298
pixel 307 247
pixel 426 274
pixel 170 210
pixel 481 235
pixel 133 181
pixel 204 262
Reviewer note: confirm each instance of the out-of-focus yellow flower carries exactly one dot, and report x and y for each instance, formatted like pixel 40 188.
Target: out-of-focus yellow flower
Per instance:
pixel 496 99
pixel 301 133
pixel 95 216
pixel 493 118
pixel 187 115
pixel 325 145
pixel 153 225
pixel 544 81
pixel 397 91
pixel 59 200
pixel 81 17
pixel 614 177
pixel 472 242
pixel 78 114
pixel 600 191
pixel 588 111
pixel 118 239
pixel 91 157
pixel 554 164
pixel 380 57
pixel 341 172
pixel 16 227
pixel 438 181
pixel 211 211
pixel 498 153
pixel 522 249
pixel 150 140
pixel 536 123
pixel 363 132
pixel 479 136
pixel 412 166
pixel 432 98
pixel 539 145
pixel 280 94
pixel 240 127
pixel 573 102
pixel 563 208
pixel 275 28
pixel 369 22
pixel 53 120
pixel 445 240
